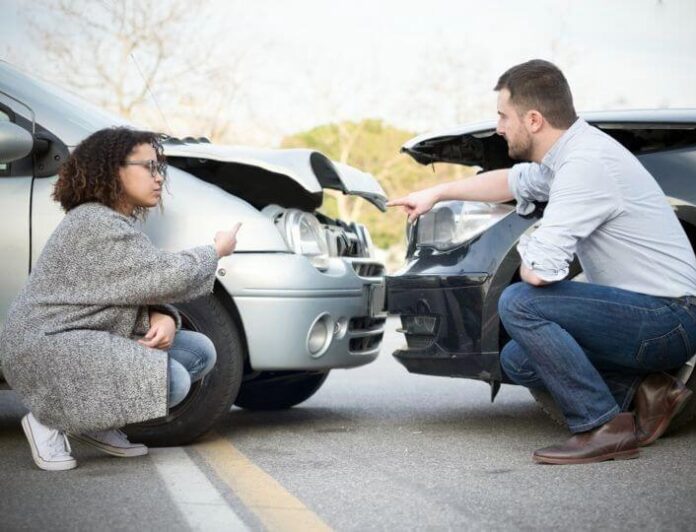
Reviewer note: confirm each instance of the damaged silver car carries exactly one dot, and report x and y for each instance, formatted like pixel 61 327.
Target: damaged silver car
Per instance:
pixel 302 294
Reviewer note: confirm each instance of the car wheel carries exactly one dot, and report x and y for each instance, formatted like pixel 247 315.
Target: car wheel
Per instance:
pixel 547 403
pixel 211 397
pixel 686 416
pixel 275 390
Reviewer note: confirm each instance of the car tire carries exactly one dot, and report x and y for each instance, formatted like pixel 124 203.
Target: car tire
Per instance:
pixel 547 403
pixel 684 418
pixel 276 390
pixel 211 397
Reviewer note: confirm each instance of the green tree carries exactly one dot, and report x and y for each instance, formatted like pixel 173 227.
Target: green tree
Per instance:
pixel 374 147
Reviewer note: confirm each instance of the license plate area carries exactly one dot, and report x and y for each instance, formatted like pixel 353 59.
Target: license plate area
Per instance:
pixel 376 294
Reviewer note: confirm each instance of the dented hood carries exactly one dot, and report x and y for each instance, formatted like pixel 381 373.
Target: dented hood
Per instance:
pixel 478 144
pixel 293 177
pixel 361 184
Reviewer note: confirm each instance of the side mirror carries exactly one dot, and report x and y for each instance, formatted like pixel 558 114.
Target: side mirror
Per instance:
pixel 15 142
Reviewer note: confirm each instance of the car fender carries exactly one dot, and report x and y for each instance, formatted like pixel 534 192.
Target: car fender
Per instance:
pixel 195 210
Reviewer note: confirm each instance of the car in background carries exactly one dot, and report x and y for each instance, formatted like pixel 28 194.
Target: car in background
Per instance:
pixel 462 254
pixel 302 294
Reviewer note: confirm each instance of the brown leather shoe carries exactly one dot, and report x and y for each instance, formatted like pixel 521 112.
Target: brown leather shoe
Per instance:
pixel 615 440
pixel 658 399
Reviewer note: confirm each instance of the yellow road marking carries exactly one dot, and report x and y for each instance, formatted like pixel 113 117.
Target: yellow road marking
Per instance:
pixel 275 507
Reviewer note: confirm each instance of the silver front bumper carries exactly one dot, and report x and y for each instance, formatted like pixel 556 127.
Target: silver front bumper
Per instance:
pixel 281 296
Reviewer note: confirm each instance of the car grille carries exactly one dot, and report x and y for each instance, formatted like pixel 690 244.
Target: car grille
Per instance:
pixel 418 341
pixel 366 334
pixel 368 268
pixel 420 331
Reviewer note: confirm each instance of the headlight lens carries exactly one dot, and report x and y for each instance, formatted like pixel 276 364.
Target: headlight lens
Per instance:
pixel 304 235
pixel 452 223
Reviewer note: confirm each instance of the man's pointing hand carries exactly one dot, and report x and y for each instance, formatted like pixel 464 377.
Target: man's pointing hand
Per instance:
pixel 416 203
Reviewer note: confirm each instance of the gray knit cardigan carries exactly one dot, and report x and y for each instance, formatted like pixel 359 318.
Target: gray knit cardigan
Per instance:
pixel 69 345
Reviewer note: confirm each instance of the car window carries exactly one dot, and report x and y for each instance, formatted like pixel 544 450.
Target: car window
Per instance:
pixel 4 166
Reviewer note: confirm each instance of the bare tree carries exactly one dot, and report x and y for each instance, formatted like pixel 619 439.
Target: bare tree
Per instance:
pixel 329 97
pixel 149 60
pixel 450 86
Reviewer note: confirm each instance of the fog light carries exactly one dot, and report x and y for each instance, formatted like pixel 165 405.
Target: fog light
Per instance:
pixel 340 328
pixel 419 324
pixel 319 336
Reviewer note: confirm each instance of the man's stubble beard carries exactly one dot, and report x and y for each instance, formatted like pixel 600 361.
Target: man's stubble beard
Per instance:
pixel 522 150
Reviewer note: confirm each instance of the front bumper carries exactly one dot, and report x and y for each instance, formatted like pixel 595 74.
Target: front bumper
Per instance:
pixel 281 296
pixel 444 321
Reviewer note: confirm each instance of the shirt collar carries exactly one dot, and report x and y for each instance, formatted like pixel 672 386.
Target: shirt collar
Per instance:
pixel 552 157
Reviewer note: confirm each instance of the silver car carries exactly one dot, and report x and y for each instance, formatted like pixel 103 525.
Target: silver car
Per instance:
pixel 302 294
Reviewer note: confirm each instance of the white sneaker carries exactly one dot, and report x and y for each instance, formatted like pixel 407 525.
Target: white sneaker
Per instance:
pixel 113 442
pixel 49 447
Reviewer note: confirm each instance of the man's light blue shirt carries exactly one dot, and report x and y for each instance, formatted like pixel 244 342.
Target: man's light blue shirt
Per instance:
pixel 606 208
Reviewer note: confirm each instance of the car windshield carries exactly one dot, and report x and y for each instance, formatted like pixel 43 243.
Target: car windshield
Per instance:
pixel 55 106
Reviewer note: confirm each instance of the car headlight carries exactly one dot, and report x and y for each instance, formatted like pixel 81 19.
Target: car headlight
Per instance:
pixel 303 233
pixel 452 223
pixel 368 248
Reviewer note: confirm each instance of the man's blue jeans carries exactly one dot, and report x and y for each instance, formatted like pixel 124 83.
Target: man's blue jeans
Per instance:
pixel 191 357
pixel 590 345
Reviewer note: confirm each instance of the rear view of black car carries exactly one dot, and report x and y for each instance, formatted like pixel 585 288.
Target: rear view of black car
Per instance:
pixel 462 255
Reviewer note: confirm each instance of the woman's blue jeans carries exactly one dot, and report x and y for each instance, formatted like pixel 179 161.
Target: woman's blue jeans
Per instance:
pixel 191 358
pixel 590 345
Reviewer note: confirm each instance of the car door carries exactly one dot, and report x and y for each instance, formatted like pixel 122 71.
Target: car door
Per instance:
pixel 15 201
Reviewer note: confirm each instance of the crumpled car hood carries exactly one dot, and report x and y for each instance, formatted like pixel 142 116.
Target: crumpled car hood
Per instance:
pixel 302 174
pixel 478 144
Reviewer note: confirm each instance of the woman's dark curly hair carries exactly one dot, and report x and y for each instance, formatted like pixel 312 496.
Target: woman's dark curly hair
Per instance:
pixel 91 173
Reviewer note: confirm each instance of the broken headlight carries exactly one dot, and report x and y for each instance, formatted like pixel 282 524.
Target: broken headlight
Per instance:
pixel 303 234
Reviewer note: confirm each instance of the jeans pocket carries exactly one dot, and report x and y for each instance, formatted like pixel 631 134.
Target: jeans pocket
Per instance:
pixel 664 352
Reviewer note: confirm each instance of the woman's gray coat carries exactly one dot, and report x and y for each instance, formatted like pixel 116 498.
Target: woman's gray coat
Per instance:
pixel 69 345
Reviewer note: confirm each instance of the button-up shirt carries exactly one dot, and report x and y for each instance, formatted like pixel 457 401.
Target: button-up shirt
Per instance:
pixel 606 208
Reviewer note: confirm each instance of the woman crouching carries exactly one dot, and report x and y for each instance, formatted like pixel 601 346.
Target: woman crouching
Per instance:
pixel 92 342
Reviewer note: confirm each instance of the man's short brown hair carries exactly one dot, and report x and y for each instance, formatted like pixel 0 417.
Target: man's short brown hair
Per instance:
pixel 540 85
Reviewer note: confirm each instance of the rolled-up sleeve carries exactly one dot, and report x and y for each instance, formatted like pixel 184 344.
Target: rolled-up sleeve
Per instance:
pixel 529 182
pixel 581 199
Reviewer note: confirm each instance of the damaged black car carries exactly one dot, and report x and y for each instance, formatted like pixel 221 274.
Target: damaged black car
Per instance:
pixel 462 254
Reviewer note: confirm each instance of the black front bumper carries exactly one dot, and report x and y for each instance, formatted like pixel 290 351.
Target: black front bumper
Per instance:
pixel 449 326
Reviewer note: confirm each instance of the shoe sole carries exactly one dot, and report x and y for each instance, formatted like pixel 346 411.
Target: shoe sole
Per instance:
pixel 679 404
pixel 110 449
pixel 63 465
pixel 620 455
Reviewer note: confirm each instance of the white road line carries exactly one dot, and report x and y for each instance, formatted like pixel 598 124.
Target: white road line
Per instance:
pixel 195 496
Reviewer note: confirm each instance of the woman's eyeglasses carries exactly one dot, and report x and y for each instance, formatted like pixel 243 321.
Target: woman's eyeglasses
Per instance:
pixel 155 167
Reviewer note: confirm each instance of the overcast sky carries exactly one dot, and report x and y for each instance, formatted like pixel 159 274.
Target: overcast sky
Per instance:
pixel 423 65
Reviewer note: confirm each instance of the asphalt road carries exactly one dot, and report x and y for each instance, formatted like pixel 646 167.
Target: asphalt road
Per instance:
pixel 375 449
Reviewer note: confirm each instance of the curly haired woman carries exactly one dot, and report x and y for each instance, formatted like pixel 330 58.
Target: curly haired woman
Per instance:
pixel 92 342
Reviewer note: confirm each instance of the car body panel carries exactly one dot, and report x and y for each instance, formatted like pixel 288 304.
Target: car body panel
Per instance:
pixel 461 288
pixel 279 308
pixel 181 223
pixel 14 219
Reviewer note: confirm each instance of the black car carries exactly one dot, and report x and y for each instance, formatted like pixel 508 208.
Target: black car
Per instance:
pixel 461 255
